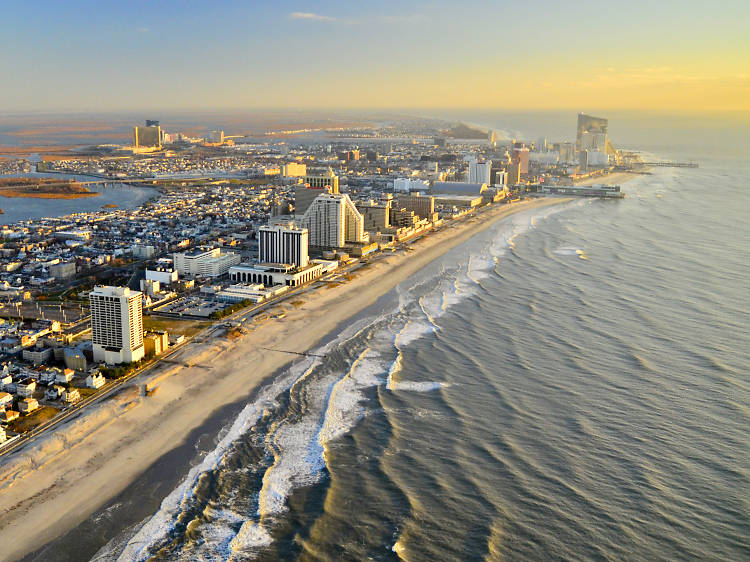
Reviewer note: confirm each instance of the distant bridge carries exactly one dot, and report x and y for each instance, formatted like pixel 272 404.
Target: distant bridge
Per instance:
pixel 105 183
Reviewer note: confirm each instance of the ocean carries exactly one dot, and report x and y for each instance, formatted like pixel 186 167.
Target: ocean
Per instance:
pixel 571 384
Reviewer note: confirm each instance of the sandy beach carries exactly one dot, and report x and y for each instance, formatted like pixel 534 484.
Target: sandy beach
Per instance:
pixel 54 484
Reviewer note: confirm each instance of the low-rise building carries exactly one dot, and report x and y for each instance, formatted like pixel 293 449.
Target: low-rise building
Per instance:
pixel 54 392
pixel 28 405
pixel 65 376
pixel 71 395
pixel 275 274
pixel 164 275
pixel 63 270
pixel 155 343
pixel 6 399
pixel 37 355
pixel 9 416
pixel 26 387
pixel 95 380
pixel 74 359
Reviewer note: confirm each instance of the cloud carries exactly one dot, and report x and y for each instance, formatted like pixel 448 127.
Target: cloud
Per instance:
pixel 143 30
pixel 387 19
pixel 311 16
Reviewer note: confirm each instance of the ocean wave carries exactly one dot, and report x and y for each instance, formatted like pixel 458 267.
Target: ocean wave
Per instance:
pixel 160 525
pixel 333 405
pixel 414 330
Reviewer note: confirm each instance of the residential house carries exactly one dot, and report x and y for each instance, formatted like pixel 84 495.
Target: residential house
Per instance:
pixel 95 380
pixel 71 395
pixel 8 416
pixel 26 387
pixel 28 405
pixel 54 392
pixel 48 376
pixel 65 376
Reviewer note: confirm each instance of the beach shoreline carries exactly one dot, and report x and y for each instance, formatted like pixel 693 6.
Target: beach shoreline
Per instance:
pixel 79 468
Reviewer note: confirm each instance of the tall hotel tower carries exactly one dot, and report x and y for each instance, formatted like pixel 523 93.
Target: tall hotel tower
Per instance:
pixel 333 220
pixel 116 324
pixel 283 244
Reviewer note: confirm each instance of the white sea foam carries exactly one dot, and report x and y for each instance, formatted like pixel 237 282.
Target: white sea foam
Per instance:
pixel 568 251
pixel 299 446
pixel 394 369
pixel 480 267
pixel 249 538
pixel 414 330
pixel 413 386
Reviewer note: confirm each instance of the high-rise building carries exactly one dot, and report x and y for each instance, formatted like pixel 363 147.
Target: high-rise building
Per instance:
pixel 116 324
pixel 216 137
pixel 422 205
pixel 328 178
pixel 333 220
pixel 567 151
pixel 376 214
pixel 513 171
pixel 283 244
pixel 304 195
pixel 541 144
pixel 589 125
pixel 148 136
pixel 204 261
pixel 152 123
pixel 521 157
pixel 479 172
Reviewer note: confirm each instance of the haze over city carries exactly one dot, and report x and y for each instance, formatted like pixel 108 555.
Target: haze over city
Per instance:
pixel 88 56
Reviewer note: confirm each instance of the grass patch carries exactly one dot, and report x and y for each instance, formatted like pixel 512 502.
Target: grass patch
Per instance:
pixel 187 328
pixel 86 392
pixel 30 421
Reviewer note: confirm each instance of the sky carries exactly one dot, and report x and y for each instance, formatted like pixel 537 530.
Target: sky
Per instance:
pixel 661 55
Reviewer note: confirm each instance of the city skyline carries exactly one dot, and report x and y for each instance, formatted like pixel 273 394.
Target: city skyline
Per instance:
pixel 138 56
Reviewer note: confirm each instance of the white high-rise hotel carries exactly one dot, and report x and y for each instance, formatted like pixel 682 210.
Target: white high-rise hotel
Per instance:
pixel 116 324
pixel 204 261
pixel 283 244
pixel 333 220
pixel 479 172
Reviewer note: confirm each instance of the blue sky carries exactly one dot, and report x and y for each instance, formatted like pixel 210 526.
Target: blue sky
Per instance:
pixel 84 55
